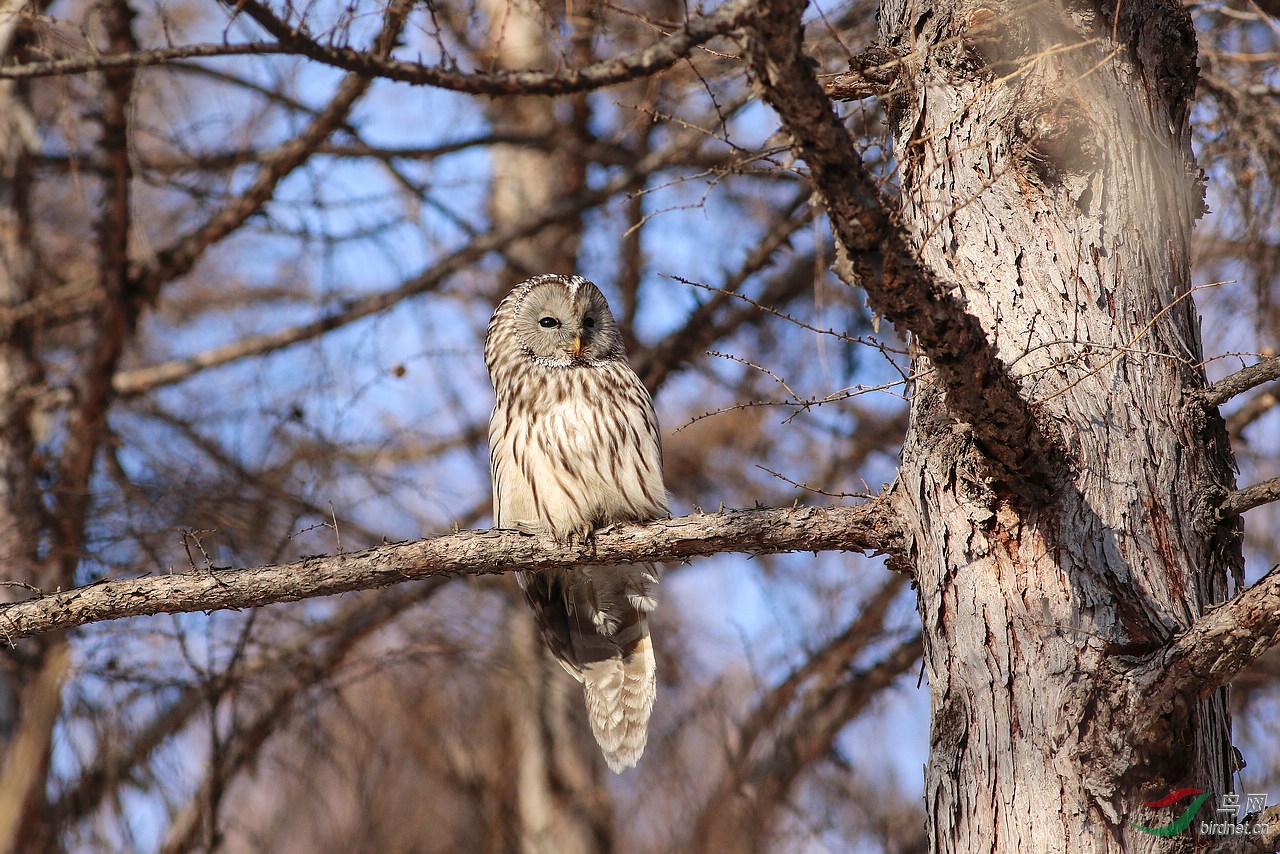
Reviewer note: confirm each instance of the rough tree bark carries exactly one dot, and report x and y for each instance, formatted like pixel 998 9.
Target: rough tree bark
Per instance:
pixel 1046 171
pixel 1061 478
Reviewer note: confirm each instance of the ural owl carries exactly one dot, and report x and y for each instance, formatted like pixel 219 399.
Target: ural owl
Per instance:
pixel 573 446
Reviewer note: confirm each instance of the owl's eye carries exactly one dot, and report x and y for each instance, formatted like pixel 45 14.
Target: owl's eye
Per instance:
pixel 589 322
pixel 548 323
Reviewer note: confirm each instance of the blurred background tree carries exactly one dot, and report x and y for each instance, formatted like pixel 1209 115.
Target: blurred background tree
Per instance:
pixel 244 290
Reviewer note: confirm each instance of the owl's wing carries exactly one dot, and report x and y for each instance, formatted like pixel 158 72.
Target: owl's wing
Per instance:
pixel 514 506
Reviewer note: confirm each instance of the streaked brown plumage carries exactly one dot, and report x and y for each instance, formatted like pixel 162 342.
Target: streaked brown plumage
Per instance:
pixel 573 446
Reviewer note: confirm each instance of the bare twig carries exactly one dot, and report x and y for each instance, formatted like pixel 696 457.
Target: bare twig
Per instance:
pixel 141 380
pixel 713 320
pixel 294 674
pixel 297 656
pixel 795 724
pixel 179 258
pixel 134 59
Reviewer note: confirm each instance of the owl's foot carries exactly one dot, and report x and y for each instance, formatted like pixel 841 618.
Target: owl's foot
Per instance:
pixel 578 537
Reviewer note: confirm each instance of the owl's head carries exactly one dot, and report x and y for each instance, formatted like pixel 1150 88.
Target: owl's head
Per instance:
pixel 565 320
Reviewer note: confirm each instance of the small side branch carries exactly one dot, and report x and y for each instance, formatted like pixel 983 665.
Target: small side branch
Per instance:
pixel 1209 654
pixel 1241 381
pixel 178 259
pixel 145 379
pixel 871 528
pixel 1250 497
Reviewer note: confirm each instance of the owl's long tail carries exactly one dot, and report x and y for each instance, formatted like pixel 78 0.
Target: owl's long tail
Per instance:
pixel 595 621
pixel 619 694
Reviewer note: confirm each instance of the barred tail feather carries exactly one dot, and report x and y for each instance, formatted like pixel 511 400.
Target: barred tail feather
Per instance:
pixel 619 693
pixel 595 622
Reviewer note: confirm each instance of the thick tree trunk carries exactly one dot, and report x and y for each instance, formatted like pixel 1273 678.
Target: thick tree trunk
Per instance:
pixel 1046 168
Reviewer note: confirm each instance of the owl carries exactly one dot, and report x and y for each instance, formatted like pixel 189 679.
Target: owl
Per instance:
pixel 573 446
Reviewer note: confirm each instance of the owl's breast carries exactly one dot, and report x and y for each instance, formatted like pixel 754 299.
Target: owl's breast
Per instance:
pixel 592 457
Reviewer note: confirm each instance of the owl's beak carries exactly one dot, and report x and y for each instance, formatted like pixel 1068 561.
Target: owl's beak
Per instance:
pixel 577 346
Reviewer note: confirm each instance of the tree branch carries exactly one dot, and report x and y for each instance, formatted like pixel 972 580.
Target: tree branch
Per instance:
pixel 134 59
pixel 1241 381
pixel 282 665
pixel 1250 497
pixel 710 322
pixel 141 380
pixel 1210 653
pixel 657 57
pixel 871 527
pixel 795 724
pixel 979 389
pixel 179 258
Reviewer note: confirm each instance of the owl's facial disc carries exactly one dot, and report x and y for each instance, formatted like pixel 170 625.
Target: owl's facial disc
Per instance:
pixel 562 330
